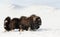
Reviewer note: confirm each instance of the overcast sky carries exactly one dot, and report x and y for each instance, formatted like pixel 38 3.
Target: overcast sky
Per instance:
pixel 53 3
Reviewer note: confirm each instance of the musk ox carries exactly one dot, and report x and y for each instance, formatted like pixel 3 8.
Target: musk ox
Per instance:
pixel 6 23
pixel 35 22
pixel 14 24
pixel 24 23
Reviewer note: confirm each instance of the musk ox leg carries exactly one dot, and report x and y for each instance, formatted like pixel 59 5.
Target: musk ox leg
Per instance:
pixel 12 26
pixel 26 28
pixel 29 29
pixel 20 28
pixel 5 30
pixel 12 30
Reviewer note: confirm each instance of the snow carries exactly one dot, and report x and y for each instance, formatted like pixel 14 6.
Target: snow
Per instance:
pixel 50 20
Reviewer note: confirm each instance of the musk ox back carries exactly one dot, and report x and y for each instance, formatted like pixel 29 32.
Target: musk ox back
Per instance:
pixel 6 23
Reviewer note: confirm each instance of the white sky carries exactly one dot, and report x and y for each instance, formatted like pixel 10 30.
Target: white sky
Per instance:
pixel 53 3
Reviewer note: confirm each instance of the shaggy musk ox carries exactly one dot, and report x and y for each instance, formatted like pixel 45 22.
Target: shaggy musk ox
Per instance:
pixel 35 22
pixel 14 24
pixel 24 23
pixel 11 24
pixel 6 23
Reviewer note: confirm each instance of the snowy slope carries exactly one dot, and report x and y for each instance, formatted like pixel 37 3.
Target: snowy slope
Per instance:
pixel 50 20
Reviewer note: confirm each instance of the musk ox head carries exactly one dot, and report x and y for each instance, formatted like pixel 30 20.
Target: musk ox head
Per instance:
pixel 6 23
pixel 35 22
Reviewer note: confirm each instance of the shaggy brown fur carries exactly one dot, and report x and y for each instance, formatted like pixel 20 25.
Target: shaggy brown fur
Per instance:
pixel 6 23
pixel 14 24
pixel 35 22
pixel 24 23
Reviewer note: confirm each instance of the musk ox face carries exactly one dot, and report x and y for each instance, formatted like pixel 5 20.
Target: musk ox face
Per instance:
pixel 6 23
pixel 36 22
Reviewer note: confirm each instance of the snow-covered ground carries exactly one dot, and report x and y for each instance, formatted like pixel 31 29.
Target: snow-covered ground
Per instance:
pixel 50 20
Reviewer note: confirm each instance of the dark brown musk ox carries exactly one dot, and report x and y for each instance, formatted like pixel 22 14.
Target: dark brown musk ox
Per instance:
pixel 6 23
pixel 35 22
pixel 14 24
pixel 24 23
